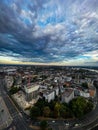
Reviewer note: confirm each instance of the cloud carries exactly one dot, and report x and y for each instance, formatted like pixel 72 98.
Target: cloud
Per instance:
pixel 49 31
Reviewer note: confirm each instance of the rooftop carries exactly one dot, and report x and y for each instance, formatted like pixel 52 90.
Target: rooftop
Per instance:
pixel 31 88
pixel 67 92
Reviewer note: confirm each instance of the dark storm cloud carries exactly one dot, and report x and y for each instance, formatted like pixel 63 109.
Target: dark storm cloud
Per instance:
pixel 48 31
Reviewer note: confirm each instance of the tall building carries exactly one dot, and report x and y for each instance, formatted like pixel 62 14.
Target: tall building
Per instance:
pixel 31 91
pixel 49 95
pixel 67 95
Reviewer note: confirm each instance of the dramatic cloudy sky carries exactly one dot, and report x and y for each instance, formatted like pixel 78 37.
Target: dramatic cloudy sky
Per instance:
pixel 59 32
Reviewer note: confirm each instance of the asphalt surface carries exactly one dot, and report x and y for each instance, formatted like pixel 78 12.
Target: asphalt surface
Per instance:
pixel 19 123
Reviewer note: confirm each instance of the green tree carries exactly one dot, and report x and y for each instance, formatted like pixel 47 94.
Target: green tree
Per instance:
pixel 34 112
pixel 57 108
pixel 43 125
pixel 46 111
pixel 89 107
pixel 63 111
pixel 78 106
pixel 85 85
pixel 52 105
pixel 49 128
pixel 14 90
pixel 40 104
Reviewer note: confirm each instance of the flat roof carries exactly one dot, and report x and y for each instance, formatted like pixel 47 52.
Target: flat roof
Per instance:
pixel 31 88
pixel 67 92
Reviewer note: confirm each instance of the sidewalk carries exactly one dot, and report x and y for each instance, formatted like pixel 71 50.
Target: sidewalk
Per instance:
pixel 5 117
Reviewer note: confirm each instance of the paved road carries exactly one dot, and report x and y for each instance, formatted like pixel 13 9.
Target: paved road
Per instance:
pixel 19 123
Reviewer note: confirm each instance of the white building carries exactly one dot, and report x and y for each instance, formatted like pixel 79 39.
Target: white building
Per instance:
pixel 49 95
pixel 84 94
pixel 67 95
pixel 9 82
pixel 56 90
pixel 19 97
pixel 68 79
pixel 10 71
pixel 31 91
pixel 43 87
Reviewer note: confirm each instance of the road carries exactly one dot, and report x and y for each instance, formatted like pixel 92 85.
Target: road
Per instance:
pixel 19 122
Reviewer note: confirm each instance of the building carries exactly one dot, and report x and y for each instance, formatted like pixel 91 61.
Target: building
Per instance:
pixel 76 92
pixel 9 82
pixel 56 90
pixel 67 95
pixel 31 91
pixel 68 79
pixel 67 84
pixel 84 94
pixel 49 95
pixel 92 92
pixel 10 71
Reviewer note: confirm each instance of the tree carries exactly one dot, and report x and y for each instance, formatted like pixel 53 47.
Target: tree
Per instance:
pixel 95 83
pixel 49 128
pixel 46 111
pixel 85 85
pixel 63 111
pixel 78 106
pixel 52 105
pixel 34 112
pixel 14 90
pixel 40 104
pixel 89 107
pixel 57 108
pixel 43 125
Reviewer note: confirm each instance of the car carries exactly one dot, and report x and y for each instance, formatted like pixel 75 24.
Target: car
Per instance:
pixel 76 124
pixel 66 123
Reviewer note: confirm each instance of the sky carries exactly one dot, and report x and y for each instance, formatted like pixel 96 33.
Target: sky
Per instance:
pixel 50 32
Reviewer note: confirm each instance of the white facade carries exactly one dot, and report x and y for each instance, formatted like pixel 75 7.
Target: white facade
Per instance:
pixel 85 94
pixel 9 82
pixel 31 91
pixel 32 88
pixel 67 95
pixel 49 95
pixel 68 79
pixel 43 87
pixel 10 70
pixel 56 90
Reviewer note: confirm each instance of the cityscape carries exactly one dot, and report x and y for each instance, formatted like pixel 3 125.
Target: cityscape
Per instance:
pixel 63 97
pixel 48 65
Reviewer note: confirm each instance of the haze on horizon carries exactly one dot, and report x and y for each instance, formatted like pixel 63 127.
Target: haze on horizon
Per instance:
pixel 51 32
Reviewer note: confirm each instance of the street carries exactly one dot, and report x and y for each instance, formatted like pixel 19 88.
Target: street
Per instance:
pixel 19 123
